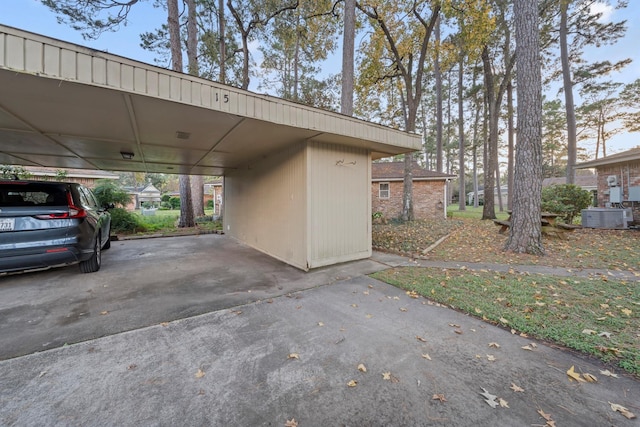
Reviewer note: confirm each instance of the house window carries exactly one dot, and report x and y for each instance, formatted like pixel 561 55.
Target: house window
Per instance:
pixel 384 190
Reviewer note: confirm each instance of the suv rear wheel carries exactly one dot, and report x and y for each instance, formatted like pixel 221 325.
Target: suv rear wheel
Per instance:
pixel 93 263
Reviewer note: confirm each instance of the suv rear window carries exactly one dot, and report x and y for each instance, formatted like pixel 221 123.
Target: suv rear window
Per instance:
pixel 32 195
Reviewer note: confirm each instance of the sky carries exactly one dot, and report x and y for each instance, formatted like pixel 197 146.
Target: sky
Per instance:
pixel 31 15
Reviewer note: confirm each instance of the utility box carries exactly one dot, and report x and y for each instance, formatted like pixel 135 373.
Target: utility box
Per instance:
pixel 615 194
pixel 607 218
pixel 634 193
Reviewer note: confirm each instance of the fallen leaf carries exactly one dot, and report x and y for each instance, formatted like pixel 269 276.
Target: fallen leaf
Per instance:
pixel 365 292
pixel 386 375
pixel 458 331
pixel 104 312
pixel 627 311
pixel 503 320
pixel 516 388
pixel 608 373
pixel 293 356
pixel 590 378
pixel 403 309
pixel 503 403
pixel 491 358
pixel 439 397
pixel 589 332
pixel 494 345
pixel 320 324
pixel 132 367
pixel 291 423
pixel 362 368
pixel 426 356
pixel 488 395
pixel 352 383
pixel 574 375
pixel 527 347
pixel 624 411
pixel 165 324
pixel 605 334
pixel 453 325
pixel 199 374
pixel 369 316
pixel 354 305
pixel 550 421
pixel 420 339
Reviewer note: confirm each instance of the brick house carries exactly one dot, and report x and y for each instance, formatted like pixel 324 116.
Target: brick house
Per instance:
pixel 618 180
pixel 429 190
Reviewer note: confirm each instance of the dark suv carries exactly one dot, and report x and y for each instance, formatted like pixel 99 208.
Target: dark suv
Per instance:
pixel 48 224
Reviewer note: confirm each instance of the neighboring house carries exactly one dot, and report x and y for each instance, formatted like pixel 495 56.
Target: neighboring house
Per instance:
pixel 504 195
pixel 86 177
pixel 618 180
pixel 429 190
pixel 213 191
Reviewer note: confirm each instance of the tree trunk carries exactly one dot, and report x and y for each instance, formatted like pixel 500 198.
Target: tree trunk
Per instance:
pixel 407 190
pixel 197 195
pixel 525 231
pixel 186 209
pixel 223 43
pixel 462 205
pixel 348 48
pixel 439 120
pixel 511 152
pixel 568 94
pixel 488 208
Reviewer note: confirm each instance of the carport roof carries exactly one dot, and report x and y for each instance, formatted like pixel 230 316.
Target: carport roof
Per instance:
pixel 68 106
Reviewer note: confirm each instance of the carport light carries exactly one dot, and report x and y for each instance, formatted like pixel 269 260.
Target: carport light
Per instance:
pixel 126 155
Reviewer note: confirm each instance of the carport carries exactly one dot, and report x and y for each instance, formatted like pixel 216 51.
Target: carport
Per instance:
pixel 297 179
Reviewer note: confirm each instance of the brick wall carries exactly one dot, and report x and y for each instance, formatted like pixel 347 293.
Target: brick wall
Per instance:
pixel 628 175
pixel 428 199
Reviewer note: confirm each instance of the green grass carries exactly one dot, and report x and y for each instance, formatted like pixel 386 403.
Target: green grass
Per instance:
pixel 548 308
pixel 472 213
pixel 164 221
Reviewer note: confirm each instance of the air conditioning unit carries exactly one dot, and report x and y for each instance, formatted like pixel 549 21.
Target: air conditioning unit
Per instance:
pixel 612 181
pixel 607 218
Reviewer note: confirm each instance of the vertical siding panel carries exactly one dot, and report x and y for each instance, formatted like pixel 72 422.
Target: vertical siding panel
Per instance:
pixel 153 83
pixel 3 52
pixel 340 204
pixel 15 52
pixel 68 64
pixel 113 74
pixel 99 70
pixel 51 61
pixel 84 68
pixel 140 80
pixel 126 77
pixel 174 88
pixel 34 56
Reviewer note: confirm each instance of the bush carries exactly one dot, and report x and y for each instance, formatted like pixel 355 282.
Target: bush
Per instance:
pixel 109 192
pixel 175 202
pixel 123 221
pixel 566 200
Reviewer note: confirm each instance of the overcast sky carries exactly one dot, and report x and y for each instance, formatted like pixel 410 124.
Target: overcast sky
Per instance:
pixel 32 16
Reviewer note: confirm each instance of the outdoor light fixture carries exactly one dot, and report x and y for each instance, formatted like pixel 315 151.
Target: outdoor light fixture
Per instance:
pixel 126 155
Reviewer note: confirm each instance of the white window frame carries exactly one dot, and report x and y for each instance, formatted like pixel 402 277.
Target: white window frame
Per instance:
pixel 381 191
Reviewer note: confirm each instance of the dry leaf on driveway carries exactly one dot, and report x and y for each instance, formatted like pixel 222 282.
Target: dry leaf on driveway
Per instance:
pixel 574 375
pixel 362 368
pixel 439 397
pixel 199 374
pixel 352 383
pixel 608 373
pixel 624 411
pixel 516 388
pixel 293 356
pixel 291 423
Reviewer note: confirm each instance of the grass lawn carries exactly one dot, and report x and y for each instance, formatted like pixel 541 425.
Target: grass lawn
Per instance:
pixel 597 316
pixel 164 222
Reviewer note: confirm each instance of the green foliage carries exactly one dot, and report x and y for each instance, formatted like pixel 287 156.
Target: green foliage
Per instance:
pixel 123 221
pixel 174 202
pixel 9 171
pixel 107 191
pixel 209 204
pixel 565 199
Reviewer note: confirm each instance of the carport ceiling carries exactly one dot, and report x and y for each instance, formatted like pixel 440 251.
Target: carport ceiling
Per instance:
pixel 65 106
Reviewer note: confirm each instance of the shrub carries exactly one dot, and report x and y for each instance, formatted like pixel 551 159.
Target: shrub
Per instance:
pixel 566 200
pixel 109 192
pixel 175 202
pixel 123 221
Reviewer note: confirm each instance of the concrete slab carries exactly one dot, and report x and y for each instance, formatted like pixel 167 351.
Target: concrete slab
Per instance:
pixel 234 367
pixel 146 282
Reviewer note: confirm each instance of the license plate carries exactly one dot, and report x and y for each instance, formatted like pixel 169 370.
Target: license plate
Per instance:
pixel 7 224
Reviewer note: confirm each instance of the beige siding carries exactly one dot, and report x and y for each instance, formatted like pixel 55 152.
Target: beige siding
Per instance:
pixel 339 214
pixel 265 206
pixel 26 52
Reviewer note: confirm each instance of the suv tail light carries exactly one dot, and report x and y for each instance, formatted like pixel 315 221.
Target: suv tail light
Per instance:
pixel 74 212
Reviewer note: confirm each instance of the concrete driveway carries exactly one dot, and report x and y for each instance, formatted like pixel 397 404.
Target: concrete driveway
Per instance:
pixel 145 282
